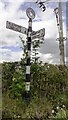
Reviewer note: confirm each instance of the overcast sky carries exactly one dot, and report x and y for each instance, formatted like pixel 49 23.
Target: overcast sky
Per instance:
pixel 67 33
pixel 15 11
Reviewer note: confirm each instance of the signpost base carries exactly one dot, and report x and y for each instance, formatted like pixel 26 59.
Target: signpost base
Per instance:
pixel 27 97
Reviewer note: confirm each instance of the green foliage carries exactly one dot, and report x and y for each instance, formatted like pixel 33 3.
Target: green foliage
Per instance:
pixel 35 46
pixel 48 91
pixel 8 70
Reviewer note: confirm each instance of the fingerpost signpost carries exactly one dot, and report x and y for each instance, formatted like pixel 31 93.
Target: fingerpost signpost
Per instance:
pixel 31 35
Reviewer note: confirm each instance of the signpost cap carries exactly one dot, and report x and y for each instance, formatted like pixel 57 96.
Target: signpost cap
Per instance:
pixel 30 13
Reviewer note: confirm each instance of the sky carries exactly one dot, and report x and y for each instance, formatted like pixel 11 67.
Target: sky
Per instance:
pixel 15 11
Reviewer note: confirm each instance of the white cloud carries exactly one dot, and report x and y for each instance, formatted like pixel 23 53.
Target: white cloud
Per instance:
pixel 46 57
pixel 50 58
pixel 11 13
pixel 7 37
pixel 49 25
pixel 8 55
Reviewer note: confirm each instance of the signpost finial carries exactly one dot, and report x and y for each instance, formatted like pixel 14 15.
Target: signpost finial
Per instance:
pixel 30 13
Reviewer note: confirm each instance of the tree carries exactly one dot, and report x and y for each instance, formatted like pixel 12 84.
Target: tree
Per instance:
pixel 36 45
pixel 34 52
